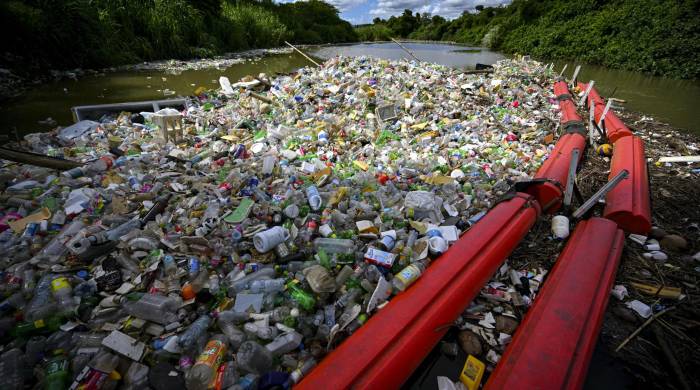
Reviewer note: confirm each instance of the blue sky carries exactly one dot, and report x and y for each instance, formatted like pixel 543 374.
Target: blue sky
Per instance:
pixel 363 11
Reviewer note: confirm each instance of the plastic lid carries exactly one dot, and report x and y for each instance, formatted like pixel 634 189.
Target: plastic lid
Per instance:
pixel 187 292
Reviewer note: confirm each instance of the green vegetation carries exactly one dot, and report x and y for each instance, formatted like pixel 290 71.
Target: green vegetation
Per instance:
pixel 50 34
pixel 660 37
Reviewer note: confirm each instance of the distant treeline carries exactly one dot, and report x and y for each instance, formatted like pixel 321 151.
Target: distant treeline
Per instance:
pixel 60 34
pixel 660 37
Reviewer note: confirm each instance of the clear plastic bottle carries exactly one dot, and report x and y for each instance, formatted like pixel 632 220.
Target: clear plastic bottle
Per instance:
pixel 303 369
pixel 204 370
pixel 11 369
pixel 334 245
pixel 267 285
pixel 190 290
pixel 226 321
pixel 190 337
pixel 254 358
pixel 156 308
pixel 244 283
pixel 284 343
pixel 63 292
pixel 40 306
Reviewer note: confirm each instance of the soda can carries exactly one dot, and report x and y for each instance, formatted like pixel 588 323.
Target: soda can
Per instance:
pixel 281 250
pixel 193 265
pixel 30 230
pixel 388 242
pixel 239 151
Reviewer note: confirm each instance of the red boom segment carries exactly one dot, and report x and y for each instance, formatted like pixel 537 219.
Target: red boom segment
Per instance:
pixel 383 353
pixel 628 203
pixel 555 170
pixel 614 127
pixel 553 345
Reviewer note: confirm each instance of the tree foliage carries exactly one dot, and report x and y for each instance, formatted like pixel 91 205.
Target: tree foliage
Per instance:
pixel 41 34
pixel 661 37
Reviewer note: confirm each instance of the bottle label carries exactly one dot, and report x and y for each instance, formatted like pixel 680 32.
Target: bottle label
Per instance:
pixel 59 284
pixel 213 353
pixel 408 275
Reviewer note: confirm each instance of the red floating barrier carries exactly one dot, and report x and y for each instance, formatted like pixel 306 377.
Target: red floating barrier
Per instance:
pixel 561 90
pixel 553 345
pixel 628 203
pixel 593 98
pixel 614 127
pixel 384 352
pixel 553 173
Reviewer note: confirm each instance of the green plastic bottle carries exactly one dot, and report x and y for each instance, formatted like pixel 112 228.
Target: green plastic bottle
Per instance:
pixel 28 329
pixel 56 371
pixel 303 298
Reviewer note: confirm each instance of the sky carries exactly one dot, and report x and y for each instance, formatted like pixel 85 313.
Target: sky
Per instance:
pixel 363 11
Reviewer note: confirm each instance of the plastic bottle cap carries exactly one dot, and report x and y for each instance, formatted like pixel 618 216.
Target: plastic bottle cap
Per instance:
pixel 187 292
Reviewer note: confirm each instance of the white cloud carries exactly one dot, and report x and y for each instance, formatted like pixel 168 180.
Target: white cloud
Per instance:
pixel 344 5
pixel 446 8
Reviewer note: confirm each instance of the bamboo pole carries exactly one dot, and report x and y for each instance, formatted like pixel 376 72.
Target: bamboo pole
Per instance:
pixel 302 53
pixel 403 47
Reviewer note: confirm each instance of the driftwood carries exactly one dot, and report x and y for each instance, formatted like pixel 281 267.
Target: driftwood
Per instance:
pixel 38 160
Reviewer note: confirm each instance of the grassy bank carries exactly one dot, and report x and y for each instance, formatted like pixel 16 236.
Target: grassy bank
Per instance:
pixel 63 34
pixel 660 37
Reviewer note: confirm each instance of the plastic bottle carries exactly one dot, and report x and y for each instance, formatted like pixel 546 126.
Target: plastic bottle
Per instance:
pixel 63 292
pixel 267 285
pixel 303 369
pixel 226 321
pixel 334 245
pixel 39 307
pixel 303 298
pixel 156 308
pixel 254 358
pixel 408 275
pixel 244 283
pixel 190 337
pixel 190 290
pixel 314 197
pixel 169 266
pixel 11 368
pixel 214 285
pixel 560 226
pixel 56 372
pixel 284 343
pixel 204 370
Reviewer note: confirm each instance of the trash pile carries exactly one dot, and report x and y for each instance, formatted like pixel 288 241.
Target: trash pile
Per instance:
pixel 237 242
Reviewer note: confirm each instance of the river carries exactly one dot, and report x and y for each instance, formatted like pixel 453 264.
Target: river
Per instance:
pixel 664 99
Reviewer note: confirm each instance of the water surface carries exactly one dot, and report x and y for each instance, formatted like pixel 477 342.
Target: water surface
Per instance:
pixel 664 99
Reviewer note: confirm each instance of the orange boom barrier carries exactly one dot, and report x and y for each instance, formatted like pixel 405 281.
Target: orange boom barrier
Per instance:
pixel 553 345
pixel 628 203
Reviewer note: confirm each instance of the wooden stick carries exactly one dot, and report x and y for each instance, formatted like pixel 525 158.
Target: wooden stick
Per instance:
pixel 670 357
pixel 478 71
pixel 302 53
pixel 261 97
pixel 38 160
pixel 644 325
pixel 403 47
